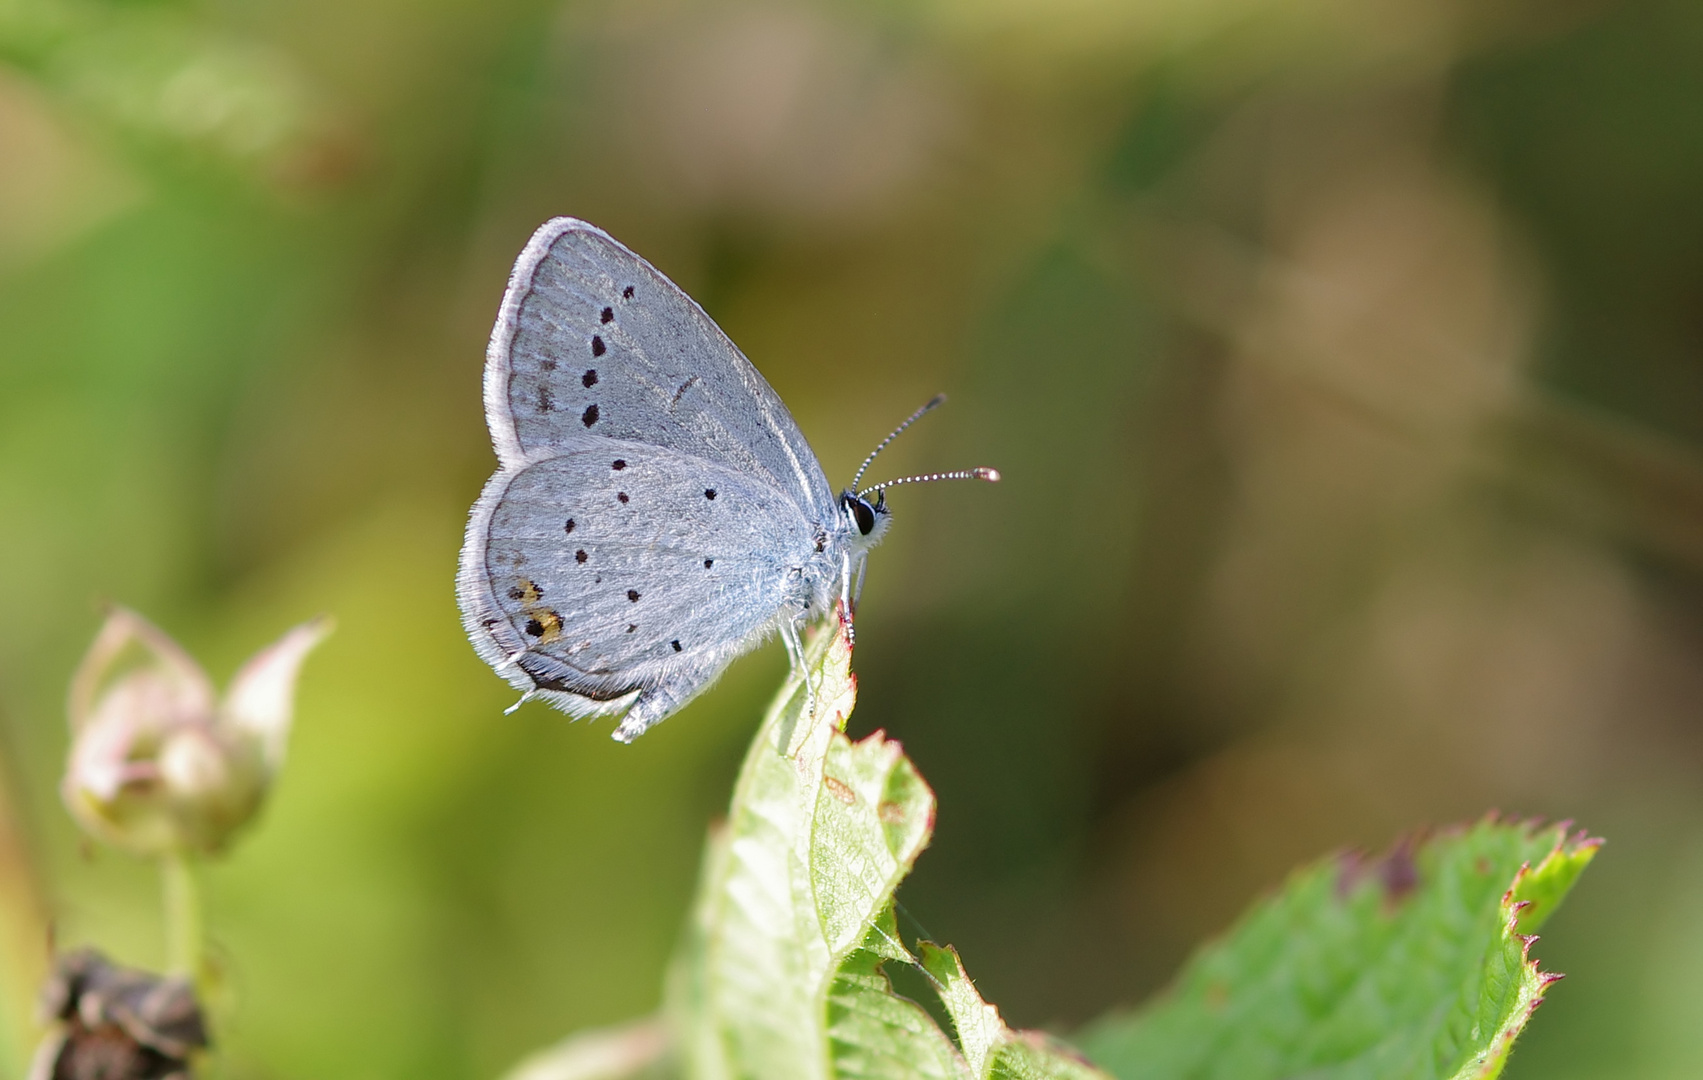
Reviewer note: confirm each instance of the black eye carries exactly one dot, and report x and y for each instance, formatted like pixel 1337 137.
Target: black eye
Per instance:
pixel 864 515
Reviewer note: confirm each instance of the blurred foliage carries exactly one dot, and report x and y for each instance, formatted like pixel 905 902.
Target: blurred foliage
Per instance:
pixel 1340 360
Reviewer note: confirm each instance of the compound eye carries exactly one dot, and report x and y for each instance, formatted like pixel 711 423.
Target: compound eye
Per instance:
pixel 864 515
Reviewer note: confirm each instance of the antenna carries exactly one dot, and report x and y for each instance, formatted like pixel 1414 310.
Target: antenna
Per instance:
pixel 933 403
pixel 982 473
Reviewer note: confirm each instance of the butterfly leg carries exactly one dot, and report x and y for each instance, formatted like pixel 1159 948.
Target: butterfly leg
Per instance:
pixel 846 600
pixel 524 698
pixel 795 652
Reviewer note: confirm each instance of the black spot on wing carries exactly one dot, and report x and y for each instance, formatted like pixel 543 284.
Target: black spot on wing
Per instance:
pixel 569 527
pixel 633 595
pixel 676 644
pixel 546 401
pixel 589 417
pixel 597 346
pixel 618 464
pixel 589 379
pixel 608 315
pixel 543 624
pixel 622 495
pixel 627 293
pixel 527 591
pixel 709 493
pixel 580 556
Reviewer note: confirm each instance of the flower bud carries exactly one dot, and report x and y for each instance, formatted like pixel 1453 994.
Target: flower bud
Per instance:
pixel 158 764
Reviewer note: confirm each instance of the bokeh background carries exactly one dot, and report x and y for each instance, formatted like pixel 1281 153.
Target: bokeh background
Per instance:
pixel 1344 361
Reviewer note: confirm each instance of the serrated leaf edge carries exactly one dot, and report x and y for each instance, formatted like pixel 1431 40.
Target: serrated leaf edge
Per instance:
pixel 1576 846
pixel 982 1034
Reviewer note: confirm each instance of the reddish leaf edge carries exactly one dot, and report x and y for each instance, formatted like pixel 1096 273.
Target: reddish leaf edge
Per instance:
pixel 1571 852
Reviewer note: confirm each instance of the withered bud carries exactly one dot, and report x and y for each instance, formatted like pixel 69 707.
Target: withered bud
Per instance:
pixel 114 1023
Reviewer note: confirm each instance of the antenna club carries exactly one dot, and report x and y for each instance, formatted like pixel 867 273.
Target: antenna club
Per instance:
pixel 984 473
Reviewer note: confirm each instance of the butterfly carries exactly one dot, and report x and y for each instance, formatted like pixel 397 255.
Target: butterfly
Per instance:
pixel 656 512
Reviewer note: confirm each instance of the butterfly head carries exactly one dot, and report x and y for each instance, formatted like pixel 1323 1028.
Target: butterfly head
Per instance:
pixel 868 520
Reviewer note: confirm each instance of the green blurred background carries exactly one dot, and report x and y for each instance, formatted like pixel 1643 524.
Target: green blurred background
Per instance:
pixel 1344 361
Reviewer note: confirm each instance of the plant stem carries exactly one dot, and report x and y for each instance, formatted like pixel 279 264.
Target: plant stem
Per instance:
pixel 182 915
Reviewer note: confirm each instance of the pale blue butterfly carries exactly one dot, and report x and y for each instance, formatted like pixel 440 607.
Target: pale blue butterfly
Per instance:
pixel 657 512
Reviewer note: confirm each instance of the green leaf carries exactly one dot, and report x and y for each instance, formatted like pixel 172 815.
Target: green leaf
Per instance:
pixel 874 1032
pixel 782 973
pixel 992 1049
pixel 1415 965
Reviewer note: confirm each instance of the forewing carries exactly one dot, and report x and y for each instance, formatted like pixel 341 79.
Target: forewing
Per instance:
pixel 594 341
pixel 616 566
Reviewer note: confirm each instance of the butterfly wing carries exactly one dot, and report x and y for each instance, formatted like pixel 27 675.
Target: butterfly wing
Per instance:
pixel 593 341
pixel 657 510
pixel 617 575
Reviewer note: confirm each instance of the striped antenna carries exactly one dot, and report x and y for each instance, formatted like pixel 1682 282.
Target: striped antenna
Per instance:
pixel 990 475
pixel 933 403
